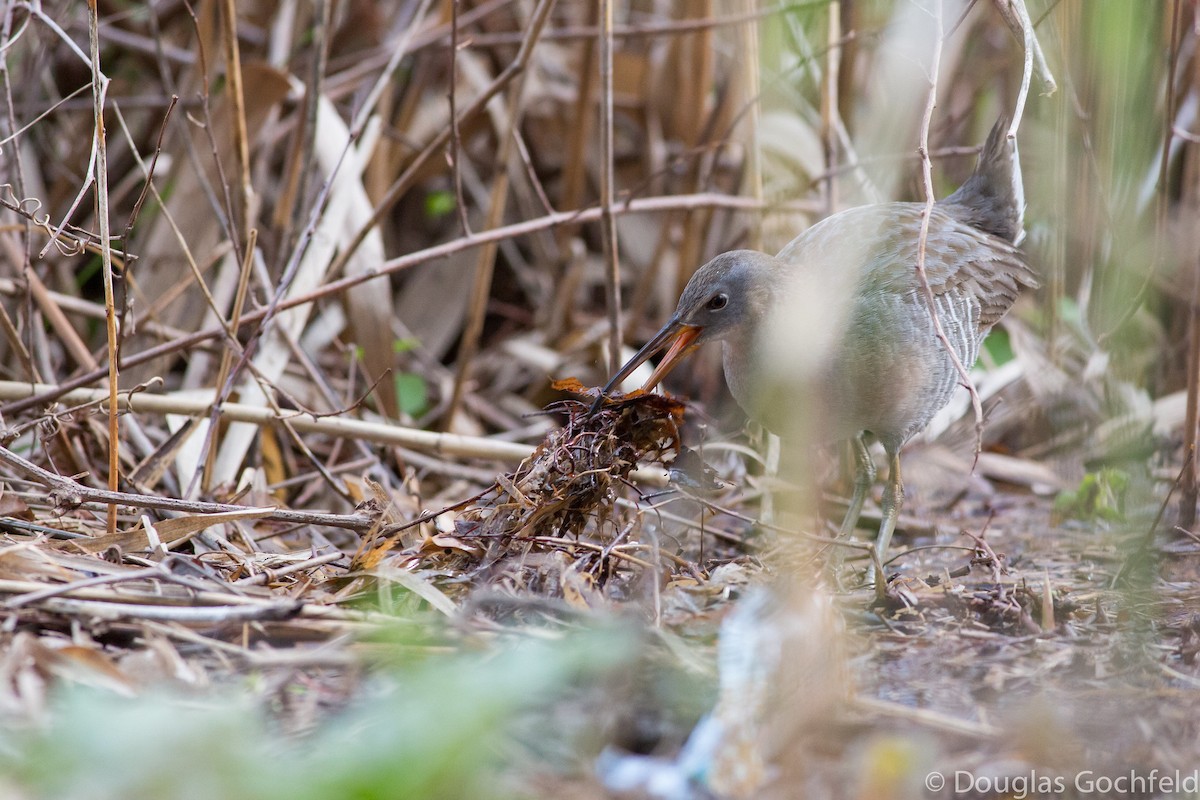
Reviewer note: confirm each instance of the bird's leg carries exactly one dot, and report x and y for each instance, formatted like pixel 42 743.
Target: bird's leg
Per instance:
pixel 864 476
pixel 893 499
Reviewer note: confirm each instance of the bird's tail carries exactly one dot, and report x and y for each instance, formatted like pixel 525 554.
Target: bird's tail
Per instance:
pixel 993 198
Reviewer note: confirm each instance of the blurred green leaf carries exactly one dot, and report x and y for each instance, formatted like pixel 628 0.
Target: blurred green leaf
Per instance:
pixel 1100 496
pixel 438 204
pixel 412 393
pixel 404 345
pixel 432 731
pixel 999 347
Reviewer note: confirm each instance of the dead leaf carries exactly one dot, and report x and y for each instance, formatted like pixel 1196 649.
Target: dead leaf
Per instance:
pixel 170 531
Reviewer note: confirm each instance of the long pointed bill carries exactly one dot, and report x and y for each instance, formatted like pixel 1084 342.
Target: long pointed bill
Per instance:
pixel 681 348
pixel 682 339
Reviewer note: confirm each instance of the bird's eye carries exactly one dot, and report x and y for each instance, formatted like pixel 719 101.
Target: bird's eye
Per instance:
pixel 717 302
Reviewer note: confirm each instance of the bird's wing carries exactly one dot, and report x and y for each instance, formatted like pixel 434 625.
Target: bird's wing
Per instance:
pixel 962 263
pixel 878 245
pixel 967 262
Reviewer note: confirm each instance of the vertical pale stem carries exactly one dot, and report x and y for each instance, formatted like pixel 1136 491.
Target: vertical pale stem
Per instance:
pixel 99 90
pixel 237 97
pixel 608 223
pixel 829 103
pixel 927 182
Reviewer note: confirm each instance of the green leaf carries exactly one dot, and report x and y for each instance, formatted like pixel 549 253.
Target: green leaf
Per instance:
pixel 999 347
pixel 405 345
pixel 1100 497
pixel 439 204
pixel 412 394
pixel 432 729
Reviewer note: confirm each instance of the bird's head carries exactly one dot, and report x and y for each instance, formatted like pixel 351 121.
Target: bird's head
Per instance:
pixel 725 299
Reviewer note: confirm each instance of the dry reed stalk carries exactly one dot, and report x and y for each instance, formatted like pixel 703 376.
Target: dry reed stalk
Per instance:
pixel 497 204
pixel 401 263
pixel 608 227
pixel 100 84
pixel 923 237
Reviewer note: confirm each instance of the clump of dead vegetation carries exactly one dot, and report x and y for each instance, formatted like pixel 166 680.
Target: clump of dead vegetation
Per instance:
pixel 562 498
pixel 570 480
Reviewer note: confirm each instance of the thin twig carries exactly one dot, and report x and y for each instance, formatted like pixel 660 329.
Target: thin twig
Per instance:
pixel 401 263
pixel 20 347
pixel 1016 15
pixel 74 493
pixel 608 226
pixel 926 214
pixel 485 265
pixel 1028 40
pixel 141 199
pixel 222 207
pixel 643 30
pixel 406 180
pixel 69 240
pixel 236 93
pixel 99 92
pixel 98 78
pixel 926 718
pixel 456 140
pixel 441 443
pixel 105 610
pixel 227 354
pixel 829 102
pixel 60 589
pixel 268 576
pixel 210 593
